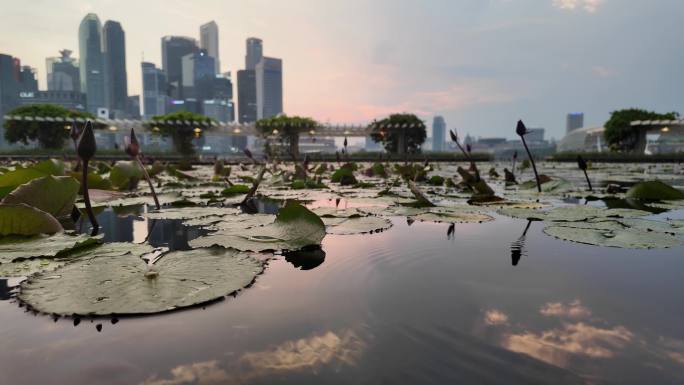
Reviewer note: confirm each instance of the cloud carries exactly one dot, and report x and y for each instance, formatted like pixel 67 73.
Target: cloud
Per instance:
pixel 200 373
pixel 556 346
pixel 573 309
pixel 603 72
pixel 495 317
pixel 587 5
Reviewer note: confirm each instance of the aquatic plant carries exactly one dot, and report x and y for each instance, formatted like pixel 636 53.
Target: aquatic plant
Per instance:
pixel 582 164
pixel 133 150
pixel 521 130
pixel 86 150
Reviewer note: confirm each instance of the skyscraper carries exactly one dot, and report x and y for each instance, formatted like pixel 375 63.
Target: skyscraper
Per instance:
pixel 209 41
pixel 438 133
pixel 114 48
pixel 574 121
pixel 9 89
pixel 269 87
pixel 173 50
pixel 198 75
pixel 154 90
pixel 63 73
pixel 255 51
pixel 91 63
pixel 247 98
pixel 27 80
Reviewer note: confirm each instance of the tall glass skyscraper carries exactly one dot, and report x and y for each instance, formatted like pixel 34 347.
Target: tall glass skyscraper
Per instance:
pixel 438 133
pixel 255 51
pixel 209 41
pixel 114 47
pixel 173 50
pixel 91 63
pixel 574 121
pixel 247 100
pixel 269 87
pixel 154 96
pixel 63 73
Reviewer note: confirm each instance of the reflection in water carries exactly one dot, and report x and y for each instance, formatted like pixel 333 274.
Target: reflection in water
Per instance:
pixel 574 309
pixel 450 231
pixel 306 259
pixel 4 290
pixel 337 349
pixel 495 317
pixel 518 246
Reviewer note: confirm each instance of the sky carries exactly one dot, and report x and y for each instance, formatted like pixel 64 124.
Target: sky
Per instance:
pixel 482 64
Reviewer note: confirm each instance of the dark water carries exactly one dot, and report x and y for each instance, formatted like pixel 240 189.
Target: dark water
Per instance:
pixel 489 303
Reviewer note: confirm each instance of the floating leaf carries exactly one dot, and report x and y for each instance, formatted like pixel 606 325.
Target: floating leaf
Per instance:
pixel 54 195
pixel 128 285
pixel 11 179
pixel 21 219
pixel 125 175
pixel 294 228
pixel 654 190
pixel 194 212
pixel 600 234
pixel 356 225
pixel 572 213
pixel 13 248
pixel 235 189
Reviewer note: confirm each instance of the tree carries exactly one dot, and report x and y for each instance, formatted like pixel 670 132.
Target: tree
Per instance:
pixel 182 127
pixel 288 128
pixel 621 136
pixel 50 131
pixel 399 133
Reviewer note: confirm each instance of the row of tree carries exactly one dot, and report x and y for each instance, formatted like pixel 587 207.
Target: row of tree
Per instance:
pixel 398 133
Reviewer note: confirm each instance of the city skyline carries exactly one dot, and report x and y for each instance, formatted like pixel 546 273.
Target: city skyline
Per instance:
pixel 480 64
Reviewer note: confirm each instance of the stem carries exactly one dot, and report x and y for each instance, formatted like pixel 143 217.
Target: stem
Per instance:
pixel 86 198
pixel 588 181
pixel 255 185
pixel 534 167
pixel 149 181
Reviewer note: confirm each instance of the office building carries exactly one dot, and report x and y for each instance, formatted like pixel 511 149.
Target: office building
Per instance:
pixel 269 87
pixel 438 133
pixel 154 98
pixel 114 48
pixel 91 63
pixel 174 48
pixel 218 109
pixel 198 75
pixel 535 135
pixel 71 100
pixel 209 41
pixel 574 121
pixel 27 80
pixel 255 52
pixel 63 73
pixel 247 97
pixel 9 89
pixel 133 107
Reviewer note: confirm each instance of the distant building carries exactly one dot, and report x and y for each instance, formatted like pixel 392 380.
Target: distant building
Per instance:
pixel 574 121
pixel 91 63
pixel 269 87
pixel 535 135
pixel 255 52
pixel 27 79
pixel 63 73
pixel 114 48
pixel 586 139
pixel 9 90
pixel 198 75
pixel 133 107
pixel 174 48
pixel 154 96
pixel 438 133
pixel 372 145
pixel 72 100
pixel 209 41
pixel 247 96
pixel 219 110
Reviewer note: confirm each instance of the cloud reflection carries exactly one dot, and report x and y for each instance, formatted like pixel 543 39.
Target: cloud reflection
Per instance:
pixel 574 309
pixel 495 317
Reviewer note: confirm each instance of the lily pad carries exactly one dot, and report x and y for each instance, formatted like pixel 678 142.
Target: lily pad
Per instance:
pixel 654 190
pixel 598 234
pixel 128 285
pixel 14 248
pixel 294 228
pixel 572 213
pixel 54 195
pixel 125 175
pixel 194 212
pixel 12 179
pixel 355 225
pixel 22 219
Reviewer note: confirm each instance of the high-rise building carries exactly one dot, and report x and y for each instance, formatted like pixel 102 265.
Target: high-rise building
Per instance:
pixel 438 133
pixel 247 96
pixel 27 80
pixel 133 106
pixel 535 135
pixel 255 51
pixel 269 87
pixel 154 95
pixel 63 73
pixel 9 89
pixel 574 121
pixel 71 100
pixel 114 48
pixel 173 50
pixel 91 64
pixel 198 75
pixel 209 41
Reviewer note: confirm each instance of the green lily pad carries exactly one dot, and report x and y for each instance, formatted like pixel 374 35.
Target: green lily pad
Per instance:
pixel 125 175
pixel 193 212
pixel 603 234
pixel 654 190
pixel 54 195
pixel 12 179
pixel 128 285
pixel 235 189
pixel 572 213
pixel 21 219
pixel 13 248
pixel 355 225
pixel 294 228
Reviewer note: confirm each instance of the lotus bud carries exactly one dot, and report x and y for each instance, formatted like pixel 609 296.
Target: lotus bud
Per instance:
pixel 133 147
pixel 86 145
pixel 520 129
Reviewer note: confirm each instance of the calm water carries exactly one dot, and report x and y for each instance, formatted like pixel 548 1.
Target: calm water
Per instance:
pixel 416 304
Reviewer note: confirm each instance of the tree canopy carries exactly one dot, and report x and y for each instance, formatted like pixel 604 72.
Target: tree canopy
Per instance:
pixel 182 127
pixel 399 133
pixel 620 135
pixel 49 134
pixel 287 128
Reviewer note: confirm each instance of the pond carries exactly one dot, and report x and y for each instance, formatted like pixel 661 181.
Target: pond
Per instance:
pixel 420 302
